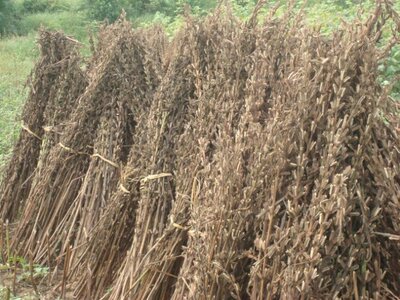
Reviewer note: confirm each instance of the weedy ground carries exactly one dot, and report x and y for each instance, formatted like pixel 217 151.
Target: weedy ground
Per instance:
pixel 19 277
pixel 16 61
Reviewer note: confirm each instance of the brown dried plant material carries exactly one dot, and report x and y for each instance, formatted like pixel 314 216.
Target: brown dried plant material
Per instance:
pixel 100 260
pixel 327 196
pixel 160 265
pixel 118 127
pixel 57 69
pixel 101 132
pixel 143 178
pixel 241 160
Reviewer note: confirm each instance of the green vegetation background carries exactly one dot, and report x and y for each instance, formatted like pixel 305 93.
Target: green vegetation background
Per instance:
pixel 20 20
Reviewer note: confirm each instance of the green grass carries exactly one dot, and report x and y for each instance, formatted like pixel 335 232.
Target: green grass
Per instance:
pixel 72 23
pixel 16 61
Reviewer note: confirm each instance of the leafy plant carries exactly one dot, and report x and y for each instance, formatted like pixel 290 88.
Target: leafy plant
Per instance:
pixel 7 17
pixel 391 71
pixel 28 272
pixel 104 9
pixel 37 272
pixel 36 6
pixel 21 269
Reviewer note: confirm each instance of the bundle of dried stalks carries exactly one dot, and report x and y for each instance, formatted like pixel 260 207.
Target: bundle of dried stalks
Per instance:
pixel 154 257
pixel 329 226
pixel 222 208
pixel 132 213
pixel 222 58
pixel 141 74
pixel 83 170
pixel 55 73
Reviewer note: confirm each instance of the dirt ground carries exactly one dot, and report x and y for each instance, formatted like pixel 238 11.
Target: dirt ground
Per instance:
pixel 17 284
